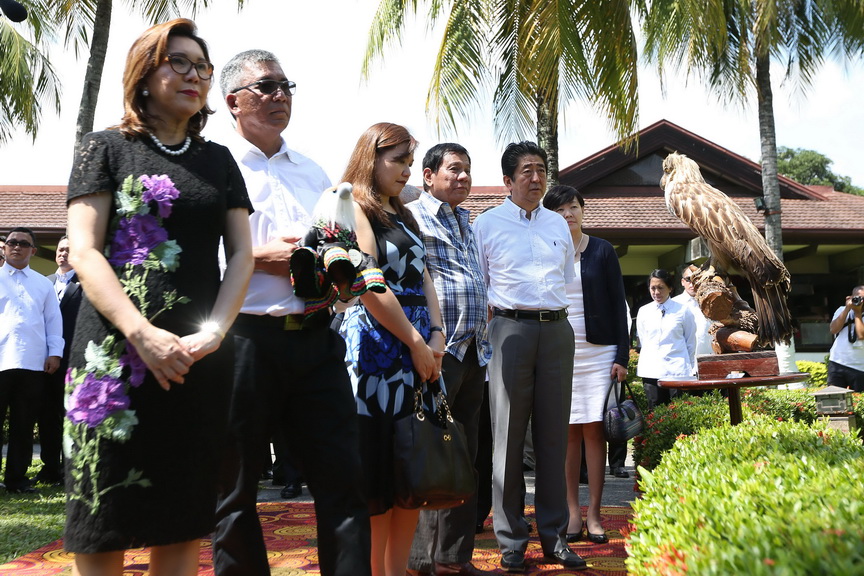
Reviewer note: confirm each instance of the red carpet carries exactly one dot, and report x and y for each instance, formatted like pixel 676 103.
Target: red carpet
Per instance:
pixel 289 529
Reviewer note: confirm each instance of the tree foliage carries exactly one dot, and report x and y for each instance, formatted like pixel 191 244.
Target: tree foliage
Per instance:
pixel 29 81
pixel 811 167
pixel 533 56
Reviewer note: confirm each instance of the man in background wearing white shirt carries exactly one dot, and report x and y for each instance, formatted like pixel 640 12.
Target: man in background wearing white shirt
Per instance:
pixel 31 345
pixel 527 256
pixel 289 370
pixel 688 299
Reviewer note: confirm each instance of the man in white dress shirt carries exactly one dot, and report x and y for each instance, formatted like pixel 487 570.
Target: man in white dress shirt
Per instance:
pixel 688 299
pixel 31 345
pixel 289 370
pixel 526 256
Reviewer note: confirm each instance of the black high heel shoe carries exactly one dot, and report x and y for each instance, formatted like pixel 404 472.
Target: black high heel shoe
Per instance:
pixel 596 538
pixel 576 536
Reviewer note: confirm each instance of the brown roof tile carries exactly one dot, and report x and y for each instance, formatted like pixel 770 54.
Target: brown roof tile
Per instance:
pixel 42 208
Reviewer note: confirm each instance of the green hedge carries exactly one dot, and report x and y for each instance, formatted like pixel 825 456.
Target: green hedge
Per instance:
pixel 684 416
pixel 764 497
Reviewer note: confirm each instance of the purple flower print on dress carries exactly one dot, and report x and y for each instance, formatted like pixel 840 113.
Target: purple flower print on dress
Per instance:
pixel 136 365
pixel 135 238
pixel 159 189
pixel 97 398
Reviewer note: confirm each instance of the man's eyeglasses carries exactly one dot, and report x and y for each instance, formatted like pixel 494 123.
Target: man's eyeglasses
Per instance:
pixel 687 279
pixel 182 65
pixel 287 87
pixel 17 243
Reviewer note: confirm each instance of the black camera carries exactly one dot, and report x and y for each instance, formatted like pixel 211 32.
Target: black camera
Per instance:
pixel 856 300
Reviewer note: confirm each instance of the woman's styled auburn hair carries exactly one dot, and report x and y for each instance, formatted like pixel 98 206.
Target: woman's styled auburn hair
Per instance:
pixel 361 172
pixel 146 55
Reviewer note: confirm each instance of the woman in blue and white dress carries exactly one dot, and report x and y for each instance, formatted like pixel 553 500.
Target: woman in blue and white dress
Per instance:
pixel 393 343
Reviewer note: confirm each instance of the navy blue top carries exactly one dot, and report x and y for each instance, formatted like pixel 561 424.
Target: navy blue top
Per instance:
pixel 606 320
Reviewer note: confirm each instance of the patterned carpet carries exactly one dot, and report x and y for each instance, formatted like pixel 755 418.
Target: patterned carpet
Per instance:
pixel 289 529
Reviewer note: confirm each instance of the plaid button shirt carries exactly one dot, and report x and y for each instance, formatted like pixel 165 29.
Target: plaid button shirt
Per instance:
pixel 453 263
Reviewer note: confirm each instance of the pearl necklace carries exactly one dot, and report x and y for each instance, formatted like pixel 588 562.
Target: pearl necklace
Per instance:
pixel 167 150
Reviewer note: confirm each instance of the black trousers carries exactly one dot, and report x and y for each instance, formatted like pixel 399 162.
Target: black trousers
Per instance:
pixel 50 422
pixel 19 392
pixel 297 379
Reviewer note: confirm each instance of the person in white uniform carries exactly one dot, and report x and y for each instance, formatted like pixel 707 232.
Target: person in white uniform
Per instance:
pixel 688 299
pixel 667 333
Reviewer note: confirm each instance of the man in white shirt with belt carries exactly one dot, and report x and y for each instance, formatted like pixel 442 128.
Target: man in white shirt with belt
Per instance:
pixel 527 255
pixel 31 345
pixel 289 370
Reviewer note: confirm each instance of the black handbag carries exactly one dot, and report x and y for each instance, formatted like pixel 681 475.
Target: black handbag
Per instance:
pixel 623 420
pixel 432 467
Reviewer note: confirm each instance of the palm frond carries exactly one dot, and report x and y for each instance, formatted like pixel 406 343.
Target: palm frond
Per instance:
pixel 29 81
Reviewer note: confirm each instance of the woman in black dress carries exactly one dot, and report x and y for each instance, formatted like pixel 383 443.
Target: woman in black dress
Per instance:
pixel 149 378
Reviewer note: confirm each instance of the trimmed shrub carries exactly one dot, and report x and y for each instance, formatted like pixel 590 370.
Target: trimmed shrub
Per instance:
pixel 798 404
pixel 764 497
pixel 818 372
pixel 683 416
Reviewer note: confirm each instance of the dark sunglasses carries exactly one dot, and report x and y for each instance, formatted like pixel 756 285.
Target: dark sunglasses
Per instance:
pixel 687 279
pixel 182 65
pixel 287 87
pixel 21 243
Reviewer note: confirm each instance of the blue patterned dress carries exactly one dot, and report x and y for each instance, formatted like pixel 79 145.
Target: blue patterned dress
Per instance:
pixel 379 364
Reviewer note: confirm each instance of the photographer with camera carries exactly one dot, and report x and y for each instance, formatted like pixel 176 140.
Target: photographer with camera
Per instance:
pixel 846 361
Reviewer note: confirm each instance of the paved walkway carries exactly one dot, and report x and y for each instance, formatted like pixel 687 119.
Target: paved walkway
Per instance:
pixel 616 491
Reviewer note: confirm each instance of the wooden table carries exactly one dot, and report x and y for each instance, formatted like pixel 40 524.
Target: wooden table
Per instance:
pixel 733 387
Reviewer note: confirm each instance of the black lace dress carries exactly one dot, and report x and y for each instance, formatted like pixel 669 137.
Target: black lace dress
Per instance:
pixel 141 461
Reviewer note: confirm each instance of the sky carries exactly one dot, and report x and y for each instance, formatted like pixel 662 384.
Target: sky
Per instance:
pixel 321 46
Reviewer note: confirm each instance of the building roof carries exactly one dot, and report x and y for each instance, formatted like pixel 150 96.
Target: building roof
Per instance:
pixel 41 208
pixel 624 201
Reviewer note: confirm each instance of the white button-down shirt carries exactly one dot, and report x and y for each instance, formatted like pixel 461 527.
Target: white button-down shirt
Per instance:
pixel 526 263
pixel 283 189
pixel 31 328
pixel 703 338
pixel 667 333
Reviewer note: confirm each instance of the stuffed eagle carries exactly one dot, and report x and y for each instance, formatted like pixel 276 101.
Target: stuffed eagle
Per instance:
pixel 734 241
pixel 330 265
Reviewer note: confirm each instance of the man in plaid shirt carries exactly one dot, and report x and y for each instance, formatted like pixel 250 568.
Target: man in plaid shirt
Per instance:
pixel 444 541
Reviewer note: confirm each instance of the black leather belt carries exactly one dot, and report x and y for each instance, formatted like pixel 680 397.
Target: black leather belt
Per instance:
pixel 541 315
pixel 289 322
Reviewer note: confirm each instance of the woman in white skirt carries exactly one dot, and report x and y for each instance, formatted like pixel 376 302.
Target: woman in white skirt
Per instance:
pixel 597 312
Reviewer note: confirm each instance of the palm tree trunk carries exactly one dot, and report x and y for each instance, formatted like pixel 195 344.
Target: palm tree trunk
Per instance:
pixel 771 186
pixel 95 65
pixel 547 134
pixel 768 139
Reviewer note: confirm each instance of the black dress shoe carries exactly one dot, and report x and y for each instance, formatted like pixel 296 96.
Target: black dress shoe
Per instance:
pixel 620 472
pixel 568 559
pixel 22 490
pixel 479 528
pixel 466 569
pixel 291 491
pixel 513 561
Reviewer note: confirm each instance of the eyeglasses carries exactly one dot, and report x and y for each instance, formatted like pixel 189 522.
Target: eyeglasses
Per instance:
pixel 17 243
pixel 182 65
pixel 287 87
pixel 687 279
